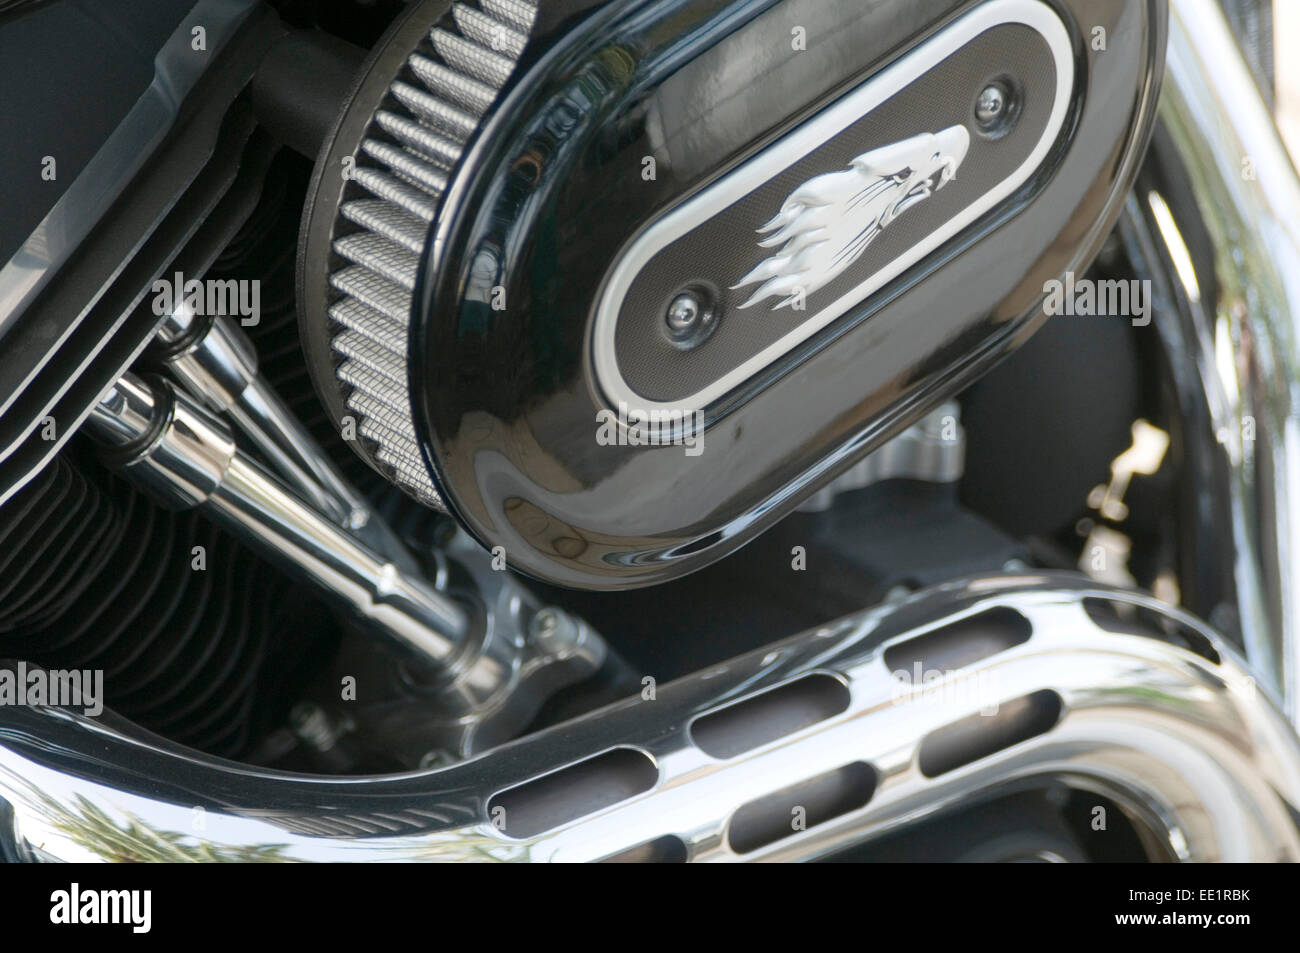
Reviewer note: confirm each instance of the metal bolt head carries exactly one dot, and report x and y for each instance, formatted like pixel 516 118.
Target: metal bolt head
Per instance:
pixel 684 313
pixel 313 726
pixel 991 104
pixel 304 714
pixel 997 108
pixel 357 517
pixel 552 630
pixel 690 318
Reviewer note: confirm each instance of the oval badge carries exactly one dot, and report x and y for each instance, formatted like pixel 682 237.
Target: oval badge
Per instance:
pixel 809 234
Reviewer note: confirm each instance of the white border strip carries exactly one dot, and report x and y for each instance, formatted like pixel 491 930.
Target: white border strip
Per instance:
pixel 793 147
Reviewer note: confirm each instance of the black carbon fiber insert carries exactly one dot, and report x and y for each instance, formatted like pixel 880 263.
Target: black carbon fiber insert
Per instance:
pixel 722 250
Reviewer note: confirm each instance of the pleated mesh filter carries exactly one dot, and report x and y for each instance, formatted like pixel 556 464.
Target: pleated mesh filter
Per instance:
pixel 403 163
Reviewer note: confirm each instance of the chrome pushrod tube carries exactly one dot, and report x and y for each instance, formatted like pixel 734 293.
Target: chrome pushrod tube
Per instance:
pixel 1148 708
pixel 215 361
pixel 184 455
pixel 1246 343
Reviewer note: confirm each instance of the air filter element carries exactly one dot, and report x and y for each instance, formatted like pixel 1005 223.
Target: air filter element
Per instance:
pixel 378 185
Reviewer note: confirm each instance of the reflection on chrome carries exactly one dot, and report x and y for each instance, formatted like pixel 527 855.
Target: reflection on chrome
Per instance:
pixel 1240 352
pixel 1169 726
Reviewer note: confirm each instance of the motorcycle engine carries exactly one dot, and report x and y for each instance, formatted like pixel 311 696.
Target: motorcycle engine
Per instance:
pixel 607 352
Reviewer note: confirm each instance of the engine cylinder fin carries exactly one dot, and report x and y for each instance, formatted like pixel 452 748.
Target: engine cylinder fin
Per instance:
pixel 175 614
pixel 42 566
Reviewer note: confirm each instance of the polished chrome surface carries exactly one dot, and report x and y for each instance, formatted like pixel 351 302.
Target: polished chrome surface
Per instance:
pixel 124 153
pixel 1244 341
pixel 210 356
pixel 257 507
pixel 683 313
pixel 482 675
pixel 1193 750
pixel 216 362
pixel 772 161
pixel 126 411
pixel 184 455
pixel 993 99
pixel 174 449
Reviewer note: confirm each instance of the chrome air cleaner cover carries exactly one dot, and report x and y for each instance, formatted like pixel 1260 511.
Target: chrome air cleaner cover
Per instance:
pixel 697 258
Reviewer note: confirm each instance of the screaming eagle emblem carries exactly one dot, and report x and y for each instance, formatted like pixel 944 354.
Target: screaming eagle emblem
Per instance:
pixel 828 222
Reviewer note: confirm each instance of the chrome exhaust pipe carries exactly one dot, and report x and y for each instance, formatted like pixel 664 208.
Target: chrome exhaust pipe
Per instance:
pixel 1023 678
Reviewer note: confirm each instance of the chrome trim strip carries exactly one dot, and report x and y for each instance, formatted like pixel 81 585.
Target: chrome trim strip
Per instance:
pixel 773 160
pixel 1189 746
pixel 176 71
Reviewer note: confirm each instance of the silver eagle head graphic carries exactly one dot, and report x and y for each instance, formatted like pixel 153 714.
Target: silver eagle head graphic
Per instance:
pixel 828 222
